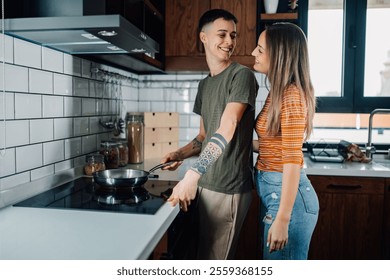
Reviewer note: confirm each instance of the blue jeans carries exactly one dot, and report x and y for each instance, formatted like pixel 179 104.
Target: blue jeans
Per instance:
pixel 303 217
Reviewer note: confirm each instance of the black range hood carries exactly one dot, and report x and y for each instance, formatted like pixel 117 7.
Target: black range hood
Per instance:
pixel 102 34
pixel 90 29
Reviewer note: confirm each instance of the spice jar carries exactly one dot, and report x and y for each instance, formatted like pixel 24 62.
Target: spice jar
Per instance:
pixel 135 137
pixel 94 163
pixel 123 151
pixel 110 151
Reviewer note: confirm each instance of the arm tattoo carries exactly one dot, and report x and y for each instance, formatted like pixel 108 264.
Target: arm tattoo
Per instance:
pixel 196 144
pixel 210 154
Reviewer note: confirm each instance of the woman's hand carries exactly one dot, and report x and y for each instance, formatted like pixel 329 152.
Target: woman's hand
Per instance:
pixel 277 235
pixel 185 191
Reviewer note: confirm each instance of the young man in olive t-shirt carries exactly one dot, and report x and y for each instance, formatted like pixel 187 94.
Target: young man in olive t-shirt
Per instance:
pixel 222 174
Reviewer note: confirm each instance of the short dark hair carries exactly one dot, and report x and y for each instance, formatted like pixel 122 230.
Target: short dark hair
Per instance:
pixel 214 14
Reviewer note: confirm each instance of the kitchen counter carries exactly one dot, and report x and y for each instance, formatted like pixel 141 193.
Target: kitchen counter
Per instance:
pixel 42 233
pixel 34 233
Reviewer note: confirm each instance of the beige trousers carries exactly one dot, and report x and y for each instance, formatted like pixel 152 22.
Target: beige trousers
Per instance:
pixel 220 220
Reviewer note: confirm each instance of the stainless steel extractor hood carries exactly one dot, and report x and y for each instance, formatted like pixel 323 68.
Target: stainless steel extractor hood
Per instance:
pixel 79 35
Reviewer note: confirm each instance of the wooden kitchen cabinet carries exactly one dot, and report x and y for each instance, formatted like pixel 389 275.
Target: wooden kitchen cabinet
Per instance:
pixel 386 221
pixel 350 223
pixel 183 49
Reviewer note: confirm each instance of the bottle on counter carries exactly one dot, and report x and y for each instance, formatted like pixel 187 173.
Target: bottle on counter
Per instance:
pixel 94 163
pixel 135 136
pixel 123 151
pixel 110 151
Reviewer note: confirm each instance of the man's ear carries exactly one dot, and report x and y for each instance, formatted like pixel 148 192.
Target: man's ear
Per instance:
pixel 202 36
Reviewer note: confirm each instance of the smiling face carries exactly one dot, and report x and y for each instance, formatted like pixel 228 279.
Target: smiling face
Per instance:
pixel 219 39
pixel 261 55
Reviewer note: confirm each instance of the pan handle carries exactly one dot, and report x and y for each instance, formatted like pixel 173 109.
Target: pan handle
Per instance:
pixel 161 165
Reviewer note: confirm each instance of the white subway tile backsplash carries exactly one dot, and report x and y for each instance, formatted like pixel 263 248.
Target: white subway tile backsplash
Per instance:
pixel 53 106
pixel 80 87
pixel 72 65
pixel 129 93
pixel 88 107
pixel 17 133
pixel 86 68
pixel 184 120
pixel 63 84
pixel 94 126
pixel 89 144
pixel 41 130
pixel 53 152
pixel 29 157
pixel 163 107
pixel 72 106
pixel 16 78
pixel 180 94
pixel 28 106
pixel 80 126
pixel 73 147
pixel 27 54
pixel 9 49
pixel 42 172
pixel 63 165
pixel 7 162
pixel 9 106
pixel 194 121
pixel 188 133
pixel 133 106
pixel 40 81
pixel 151 94
pixel 63 128
pixel 184 107
pixel 52 60
pixel 15 180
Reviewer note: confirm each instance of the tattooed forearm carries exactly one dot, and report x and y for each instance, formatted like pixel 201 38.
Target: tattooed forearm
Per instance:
pixel 196 144
pixel 210 154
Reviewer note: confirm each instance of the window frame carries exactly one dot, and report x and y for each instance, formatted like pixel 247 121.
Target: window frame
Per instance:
pixel 352 82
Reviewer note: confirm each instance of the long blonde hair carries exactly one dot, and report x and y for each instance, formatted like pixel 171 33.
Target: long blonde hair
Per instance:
pixel 289 64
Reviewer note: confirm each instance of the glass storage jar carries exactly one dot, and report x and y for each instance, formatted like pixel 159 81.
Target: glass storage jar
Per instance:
pixel 135 137
pixel 94 163
pixel 110 151
pixel 123 151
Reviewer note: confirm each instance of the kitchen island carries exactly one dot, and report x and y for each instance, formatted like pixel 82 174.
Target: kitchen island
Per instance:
pixel 42 233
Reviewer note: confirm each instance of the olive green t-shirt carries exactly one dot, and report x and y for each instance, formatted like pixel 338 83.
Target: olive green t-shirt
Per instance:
pixel 233 170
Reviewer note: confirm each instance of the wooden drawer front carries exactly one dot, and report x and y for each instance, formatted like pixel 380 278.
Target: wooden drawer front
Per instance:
pixel 158 150
pixel 161 134
pixel 163 119
pixel 335 184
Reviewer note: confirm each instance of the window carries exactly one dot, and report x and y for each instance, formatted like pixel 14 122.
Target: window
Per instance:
pixel 349 51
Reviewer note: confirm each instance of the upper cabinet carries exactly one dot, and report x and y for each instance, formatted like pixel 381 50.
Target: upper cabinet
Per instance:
pixel 183 49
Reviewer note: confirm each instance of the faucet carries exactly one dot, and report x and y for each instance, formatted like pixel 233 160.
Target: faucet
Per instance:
pixel 370 149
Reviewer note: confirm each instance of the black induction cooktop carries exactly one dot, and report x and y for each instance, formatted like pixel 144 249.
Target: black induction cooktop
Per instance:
pixel 84 194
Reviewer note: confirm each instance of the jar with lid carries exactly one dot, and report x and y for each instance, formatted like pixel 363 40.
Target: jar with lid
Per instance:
pixel 123 151
pixel 94 163
pixel 110 151
pixel 135 137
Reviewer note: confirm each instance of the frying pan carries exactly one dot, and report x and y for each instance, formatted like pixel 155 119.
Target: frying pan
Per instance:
pixel 124 178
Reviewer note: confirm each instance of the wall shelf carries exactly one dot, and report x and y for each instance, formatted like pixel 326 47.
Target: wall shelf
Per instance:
pixel 279 16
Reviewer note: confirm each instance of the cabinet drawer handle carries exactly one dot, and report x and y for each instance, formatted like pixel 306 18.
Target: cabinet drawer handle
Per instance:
pixel 345 187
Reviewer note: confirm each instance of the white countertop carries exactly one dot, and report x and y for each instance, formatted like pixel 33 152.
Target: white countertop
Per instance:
pixel 46 234
pixel 33 233
pixel 53 234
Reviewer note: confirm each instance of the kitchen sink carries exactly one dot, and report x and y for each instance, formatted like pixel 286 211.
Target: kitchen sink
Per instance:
pixel 381 159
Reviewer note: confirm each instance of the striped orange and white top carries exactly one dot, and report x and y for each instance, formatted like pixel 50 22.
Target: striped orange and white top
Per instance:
pixel 286 147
